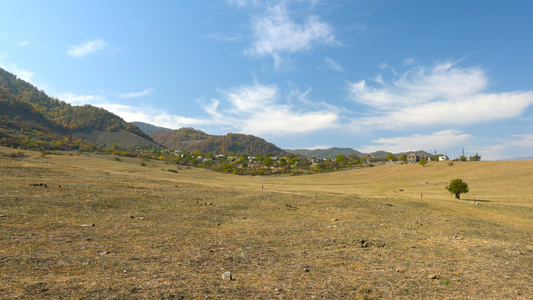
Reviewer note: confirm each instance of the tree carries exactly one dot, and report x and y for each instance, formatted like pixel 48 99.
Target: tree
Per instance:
pixel 423 162
pixel 475 157
pixel 457 187
pixel 390 157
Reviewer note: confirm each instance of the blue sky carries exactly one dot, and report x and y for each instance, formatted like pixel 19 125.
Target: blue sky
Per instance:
pixel 370 75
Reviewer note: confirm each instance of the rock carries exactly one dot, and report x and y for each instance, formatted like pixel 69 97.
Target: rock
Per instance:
pixel 88 225
pixel 433 276
pixel 3 216
pixel 227 276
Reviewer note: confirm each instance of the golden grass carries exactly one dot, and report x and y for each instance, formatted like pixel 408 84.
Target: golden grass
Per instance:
pixel 163 235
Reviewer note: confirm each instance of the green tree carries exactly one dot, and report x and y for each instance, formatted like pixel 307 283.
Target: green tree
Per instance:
pixel 457 187
pixel 475 157
pixel 391 156
pixel 423 162
pixel 267 161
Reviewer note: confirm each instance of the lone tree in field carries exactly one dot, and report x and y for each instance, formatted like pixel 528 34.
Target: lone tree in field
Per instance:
pixel 457 187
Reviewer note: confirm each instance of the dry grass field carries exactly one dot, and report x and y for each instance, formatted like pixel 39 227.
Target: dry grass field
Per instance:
pixel 92 227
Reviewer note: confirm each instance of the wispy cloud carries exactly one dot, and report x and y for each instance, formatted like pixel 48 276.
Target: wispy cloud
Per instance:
pixel 333 65
pixel 91 47
pixel 242 2
pixel 437 140
pixel 222 38
pixel 144 93
pixel 24 43
pixel 259 109
pixel 81 99
pixel 446 95
pixel 276 34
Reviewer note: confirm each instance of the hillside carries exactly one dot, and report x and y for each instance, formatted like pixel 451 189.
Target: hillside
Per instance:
pixel 190 140
pixel 149 128
pixel 68 223
pixel 23 106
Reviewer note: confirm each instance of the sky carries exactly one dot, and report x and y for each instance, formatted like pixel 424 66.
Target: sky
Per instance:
pixel 370 75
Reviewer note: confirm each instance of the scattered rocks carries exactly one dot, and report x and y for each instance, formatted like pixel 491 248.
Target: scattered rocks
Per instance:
pixel 227 276
pixel 137 218
pixel 364 243
pixel 39 184
pixel 291 207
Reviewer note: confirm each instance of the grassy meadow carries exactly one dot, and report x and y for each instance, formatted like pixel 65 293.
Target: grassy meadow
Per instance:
pixel 94 227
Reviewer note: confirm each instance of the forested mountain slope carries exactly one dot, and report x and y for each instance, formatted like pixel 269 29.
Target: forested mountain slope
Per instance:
pixel 23 106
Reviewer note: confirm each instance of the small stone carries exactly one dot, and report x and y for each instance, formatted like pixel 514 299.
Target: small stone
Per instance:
pixel 88 225
pixel 433 276
pixel 3 216
pixel 227 276
pixel 306 269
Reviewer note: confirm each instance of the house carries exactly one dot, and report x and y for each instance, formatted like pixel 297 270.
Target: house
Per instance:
pixel 413 158
pixel 443 158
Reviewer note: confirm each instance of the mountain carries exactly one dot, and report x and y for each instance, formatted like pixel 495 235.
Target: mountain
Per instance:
pixel 32 119
pixel 190 140
pixel 326 153
pixel 149 128
pixel 332 152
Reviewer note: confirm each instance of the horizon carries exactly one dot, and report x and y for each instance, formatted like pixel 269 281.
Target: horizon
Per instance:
pixel 301 74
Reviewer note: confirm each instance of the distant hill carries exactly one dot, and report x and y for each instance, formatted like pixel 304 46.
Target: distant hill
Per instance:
pixel 332 152
pixel 326 153
pixel 190 139
pixel 149 128
pixel 50 122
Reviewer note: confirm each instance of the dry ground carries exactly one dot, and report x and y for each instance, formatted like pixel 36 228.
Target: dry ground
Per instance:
pixel 79 227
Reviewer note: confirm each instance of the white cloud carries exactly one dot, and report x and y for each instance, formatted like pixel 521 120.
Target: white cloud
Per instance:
pixel 152 116
pixel 144 93
pixel 446 95
pixel 91 47
pixel 333 65
pixel 257 109
pixel 242 2
pixel 277 34
pixel 514 146
pixel 222 38
pixel 437 140
pixel 81 99
pixel 24 43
